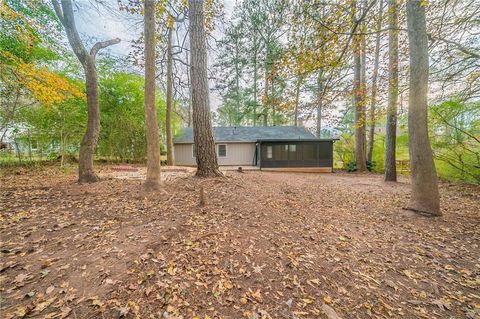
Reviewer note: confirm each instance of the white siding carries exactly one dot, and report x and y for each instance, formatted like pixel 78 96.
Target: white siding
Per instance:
pixel 237 154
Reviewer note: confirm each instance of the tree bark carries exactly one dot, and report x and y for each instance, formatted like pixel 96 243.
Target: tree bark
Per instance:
pixel 266 101
pixel 424 198
pixel 373 105
pixel 207 165
pixel 255 75
pixel 88 145
pixel 391 125
pixel 237 83
pixel 273 104
pixel 90 139
pixel 359 103
pixel 319 103
pixel 152 181
pixel 189 113
pixel 297 97
pixel 169 111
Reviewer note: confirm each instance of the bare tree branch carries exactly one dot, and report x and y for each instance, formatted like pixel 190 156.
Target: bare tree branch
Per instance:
pixel 103 44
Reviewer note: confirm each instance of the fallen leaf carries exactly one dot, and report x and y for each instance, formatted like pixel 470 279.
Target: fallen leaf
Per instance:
pixel 256 295
pixel 20 278
pixel 330 312
pixel 50 289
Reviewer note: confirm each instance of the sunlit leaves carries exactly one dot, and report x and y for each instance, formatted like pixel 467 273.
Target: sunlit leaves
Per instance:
pixel 44 86
pixel 25 52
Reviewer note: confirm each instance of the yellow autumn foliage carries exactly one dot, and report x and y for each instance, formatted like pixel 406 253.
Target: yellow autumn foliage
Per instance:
pixel 45 86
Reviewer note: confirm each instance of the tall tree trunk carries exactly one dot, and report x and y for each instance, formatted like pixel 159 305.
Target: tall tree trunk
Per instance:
pixel 373 105
pixel 319 103
pixel 88 145
pixel 424 198
pixel 189 113
pixel 297 98
pixel 359 102
pixel 29 147
pixel 266 101
pixel 255 75
pixel 62 148
pixel 363 62
pixel 207 165
pixel 168 115
pixel 62 139
pixel 152 181
pixel 391 126
pixel 237 84
pixel 274 110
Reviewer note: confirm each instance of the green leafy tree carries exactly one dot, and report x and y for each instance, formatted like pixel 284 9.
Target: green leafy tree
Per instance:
pixel 123 118
pixel 28 58
pixel 455 136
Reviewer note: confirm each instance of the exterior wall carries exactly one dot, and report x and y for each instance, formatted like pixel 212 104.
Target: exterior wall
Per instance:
pixel 241 154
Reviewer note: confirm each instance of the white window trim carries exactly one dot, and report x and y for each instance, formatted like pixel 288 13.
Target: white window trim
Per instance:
pixel 218 151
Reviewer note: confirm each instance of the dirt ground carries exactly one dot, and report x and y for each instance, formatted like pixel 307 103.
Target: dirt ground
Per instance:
pixel 265 245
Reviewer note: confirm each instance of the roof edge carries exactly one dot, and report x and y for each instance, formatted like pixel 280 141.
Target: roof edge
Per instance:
pixel 270 140
pixel 298 140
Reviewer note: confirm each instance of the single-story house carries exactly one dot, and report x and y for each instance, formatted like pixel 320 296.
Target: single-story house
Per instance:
pixel 268 147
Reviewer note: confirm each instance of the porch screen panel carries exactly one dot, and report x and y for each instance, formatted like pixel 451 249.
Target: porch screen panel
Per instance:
pixel 267 155
pixel 295 156
pixel 280 155
pixel 310 151
pixel 325 154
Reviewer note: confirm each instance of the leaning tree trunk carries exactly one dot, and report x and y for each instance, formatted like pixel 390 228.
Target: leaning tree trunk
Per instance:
pixel 152 181
pixel 424 198
pixel 207 165
pixel 168 115
pixel 391 127
pixel 373 105
pixel 64 12
pixel 90 139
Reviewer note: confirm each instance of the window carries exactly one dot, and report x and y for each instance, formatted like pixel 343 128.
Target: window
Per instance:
pixel 292 148
pixel 269 151
pixel 194 150
pixel 222 150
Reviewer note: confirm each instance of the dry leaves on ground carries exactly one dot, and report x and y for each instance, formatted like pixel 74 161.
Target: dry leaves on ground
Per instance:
pixel 266 245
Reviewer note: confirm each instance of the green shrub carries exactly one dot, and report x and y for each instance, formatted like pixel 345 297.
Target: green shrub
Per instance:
pixel 352 166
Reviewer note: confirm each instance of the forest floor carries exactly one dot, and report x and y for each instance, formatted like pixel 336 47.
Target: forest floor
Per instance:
pixel 265 245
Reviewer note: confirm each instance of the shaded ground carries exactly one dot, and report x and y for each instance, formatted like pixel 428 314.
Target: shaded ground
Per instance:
pixel 266 245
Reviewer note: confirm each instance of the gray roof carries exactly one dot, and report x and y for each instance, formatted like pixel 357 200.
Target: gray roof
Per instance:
pixel 249 134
